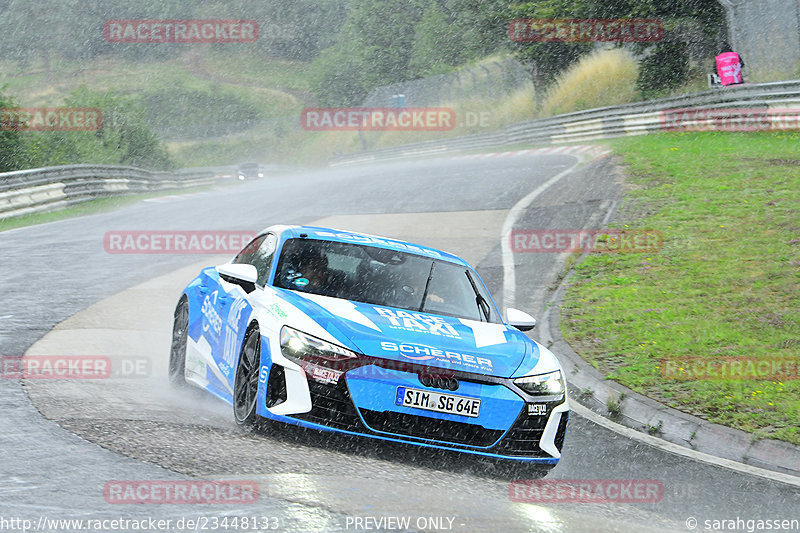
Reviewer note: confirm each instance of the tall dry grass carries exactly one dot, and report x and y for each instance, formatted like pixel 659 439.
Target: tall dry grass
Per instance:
pixel 602 78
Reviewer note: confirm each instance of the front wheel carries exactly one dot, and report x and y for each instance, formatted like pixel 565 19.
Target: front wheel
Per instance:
pixel 177 354
pixel 245 385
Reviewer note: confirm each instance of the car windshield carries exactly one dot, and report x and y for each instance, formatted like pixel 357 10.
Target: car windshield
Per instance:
pixel 384 277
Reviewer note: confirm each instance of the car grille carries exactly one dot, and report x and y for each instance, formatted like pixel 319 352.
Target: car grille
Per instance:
pixel 331 406
pixel 423 427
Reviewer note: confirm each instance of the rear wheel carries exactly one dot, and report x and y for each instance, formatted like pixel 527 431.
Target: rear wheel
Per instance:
pixel 245 385
pixel 177 354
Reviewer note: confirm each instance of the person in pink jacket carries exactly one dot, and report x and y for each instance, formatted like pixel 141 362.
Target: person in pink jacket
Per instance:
pixel 729 66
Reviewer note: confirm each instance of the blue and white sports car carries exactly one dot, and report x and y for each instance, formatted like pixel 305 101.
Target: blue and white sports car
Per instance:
pixel 369 336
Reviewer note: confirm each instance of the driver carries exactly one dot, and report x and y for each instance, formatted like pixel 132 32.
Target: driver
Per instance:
pixel 311 267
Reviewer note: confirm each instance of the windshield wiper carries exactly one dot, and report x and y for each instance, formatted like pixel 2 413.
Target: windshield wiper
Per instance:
pixel 480 301
pixel 427 284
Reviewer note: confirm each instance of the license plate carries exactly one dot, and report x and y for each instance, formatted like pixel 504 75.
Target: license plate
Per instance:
pixel 436 401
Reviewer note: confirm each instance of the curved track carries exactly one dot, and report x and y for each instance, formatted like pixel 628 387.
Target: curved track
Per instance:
pixel 58 276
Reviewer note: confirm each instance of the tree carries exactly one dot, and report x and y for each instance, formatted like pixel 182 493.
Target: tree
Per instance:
pixel 437 44
pixel 664 63
pixel 12 147
pixel 124 138
pixel 481 26
pixel 337 76
pixel 545 60
pixel 372 49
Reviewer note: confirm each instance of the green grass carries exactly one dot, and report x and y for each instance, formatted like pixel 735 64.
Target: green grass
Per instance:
pixel 725 284
pixel 290 76
pixel 88 207
pixel 194 92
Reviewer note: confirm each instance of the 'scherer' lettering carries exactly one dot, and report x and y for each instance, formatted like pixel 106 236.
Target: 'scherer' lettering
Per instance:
pixel 422 353
pixel 366 239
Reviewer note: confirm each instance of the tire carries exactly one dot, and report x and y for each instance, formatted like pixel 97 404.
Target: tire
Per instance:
pixel 177 354
pixel 245 386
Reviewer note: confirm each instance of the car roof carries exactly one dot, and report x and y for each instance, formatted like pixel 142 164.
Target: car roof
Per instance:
pixel 352 237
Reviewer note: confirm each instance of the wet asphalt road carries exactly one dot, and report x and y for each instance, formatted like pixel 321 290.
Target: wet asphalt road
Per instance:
pixel 310 483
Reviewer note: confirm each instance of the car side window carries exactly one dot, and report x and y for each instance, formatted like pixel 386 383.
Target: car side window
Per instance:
pixel 245 257
pixel 259 253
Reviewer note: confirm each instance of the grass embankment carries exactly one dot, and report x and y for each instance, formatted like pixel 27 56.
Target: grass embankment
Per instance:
pixel 726 283
pixel 208 112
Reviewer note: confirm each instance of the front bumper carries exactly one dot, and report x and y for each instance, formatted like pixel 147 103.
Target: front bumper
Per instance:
pixel 362 402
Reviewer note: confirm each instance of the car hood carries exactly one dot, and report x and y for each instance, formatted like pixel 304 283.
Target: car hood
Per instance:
pixel 412 337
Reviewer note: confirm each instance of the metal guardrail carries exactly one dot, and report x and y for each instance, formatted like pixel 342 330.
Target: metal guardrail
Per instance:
pixel 600 123
pixel 44 189
pixel 36 190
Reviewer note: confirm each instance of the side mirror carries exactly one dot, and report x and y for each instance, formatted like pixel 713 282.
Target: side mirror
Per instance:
pixel 238 272
pixel 520 319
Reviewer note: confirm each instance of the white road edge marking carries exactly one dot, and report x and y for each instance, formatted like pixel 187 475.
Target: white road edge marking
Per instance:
pixel 509 275
pixel 677 449
pixel 509 296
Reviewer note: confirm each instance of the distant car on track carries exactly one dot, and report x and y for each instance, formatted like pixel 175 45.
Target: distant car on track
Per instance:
pixel 370 336
pixel 249 171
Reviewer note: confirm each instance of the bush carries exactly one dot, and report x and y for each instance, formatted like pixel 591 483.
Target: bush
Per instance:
pixel 11 145
pixel 177 111
pixel 125 137
pixel 602 78
pixel 664 69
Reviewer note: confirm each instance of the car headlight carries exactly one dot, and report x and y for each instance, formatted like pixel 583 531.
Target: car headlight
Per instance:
pixel 304 348
pixel 550 384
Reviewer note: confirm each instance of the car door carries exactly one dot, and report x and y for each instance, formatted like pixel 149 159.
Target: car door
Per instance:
pixel 234 308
